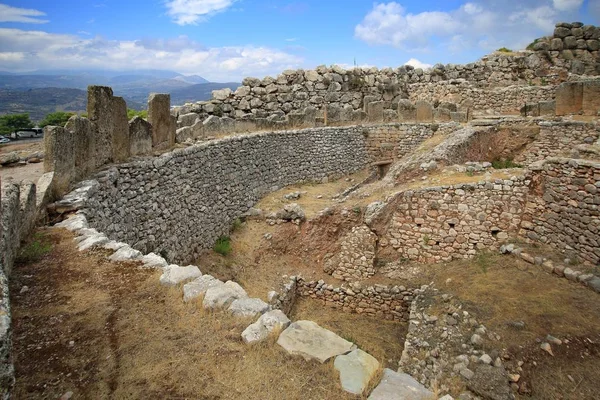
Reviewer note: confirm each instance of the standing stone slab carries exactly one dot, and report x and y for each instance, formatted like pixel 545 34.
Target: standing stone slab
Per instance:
pixel 120 136
pixel 591 98
pixel 357 368
pixel 159 116
pixel 59 148
pixel 99 109
pixel 407 112
pixel 309 340
pixel 399 386
pixel 424 111
pixel 569 98
pixel 375 111
pixel 84 145
pixel 140 137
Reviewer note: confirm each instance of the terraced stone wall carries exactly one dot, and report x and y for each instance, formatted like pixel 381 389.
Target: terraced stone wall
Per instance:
pixel 444 223
pixel 179 203
pixel 566 212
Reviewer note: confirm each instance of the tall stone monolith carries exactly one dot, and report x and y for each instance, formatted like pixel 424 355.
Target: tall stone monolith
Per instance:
pixel 159 116
pixel 99 110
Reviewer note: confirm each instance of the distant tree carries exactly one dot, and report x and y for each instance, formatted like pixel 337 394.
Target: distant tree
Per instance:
pixel 58 118
pixel 133 113
pixel 13 122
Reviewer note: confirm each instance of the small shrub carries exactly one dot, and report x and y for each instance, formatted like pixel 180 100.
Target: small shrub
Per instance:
pixel 504 164
pixel 504 50
pixel 223 245
pixel 164 254
pixel 356 210
pixel 426 239
pixel 236 225
pixel 34 251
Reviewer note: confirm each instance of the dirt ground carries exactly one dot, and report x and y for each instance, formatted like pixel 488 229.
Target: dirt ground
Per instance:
pixel 31 171
pixel 109 331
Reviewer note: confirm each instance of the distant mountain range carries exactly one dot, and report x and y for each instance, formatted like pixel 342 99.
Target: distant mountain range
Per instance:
pixel 41 92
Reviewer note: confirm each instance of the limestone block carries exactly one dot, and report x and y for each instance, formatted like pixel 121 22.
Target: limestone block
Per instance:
pixel 120 136
pixel 312 342
pixel 84 145
pixel 188 119
pixel 159 116
pixel 99 110
pixel 356 369
pixel 247 307
pixel 199 286
pixel 407 112
pixel 125 253
pixel 60 157
pixel 174 274
pixel 270 322
pixel 223 295
pixel 547 107
pixel 140 137
pixel 569 98
pixel 153 260
pixel 424 111
pixel 591 97
pixel 375 111
pixel 221 94
pixel 397 385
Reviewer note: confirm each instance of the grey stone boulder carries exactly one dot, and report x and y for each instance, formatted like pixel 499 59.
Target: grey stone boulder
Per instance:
pixel 594 284
pixel 153 260
pixel 73 223
pixel 490 383
pixel 248 307
pixel 221 296
pixel 312 342
pixel 113 245
pixel 174 274
pixel 372 211
pixel 399 386
pixel 97 239
pixel 199 286
pixel 356 369
pixel 125 253
pixel 291 212
pixel 221 94
pixel 270 322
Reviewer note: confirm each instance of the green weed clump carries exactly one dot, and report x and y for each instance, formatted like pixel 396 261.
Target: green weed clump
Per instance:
pixel 34 251
pixel 504 164
pixel 504 50
pixel 223 245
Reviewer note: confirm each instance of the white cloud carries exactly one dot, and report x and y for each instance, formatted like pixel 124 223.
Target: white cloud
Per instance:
pixel 186 12
pixel 567 5
pixel 483 24
pixel 413 62
pixel 22 50
pixel 26 15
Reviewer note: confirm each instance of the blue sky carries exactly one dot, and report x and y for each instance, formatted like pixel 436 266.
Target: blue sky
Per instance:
pixel 226 40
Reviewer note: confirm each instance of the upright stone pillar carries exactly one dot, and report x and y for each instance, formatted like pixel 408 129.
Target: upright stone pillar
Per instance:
pixel 375 111
pixel 569 98
pixel 140 137
pixel 99 109
pixel 59 157
pixel 159 116
pixel 424 111
pixel 406 111
pixel 591 98
pixel 84 145
pixel 120 137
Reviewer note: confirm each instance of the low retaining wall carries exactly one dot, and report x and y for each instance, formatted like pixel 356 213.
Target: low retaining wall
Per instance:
pixel 17 217
pixel 441 223
pixel 180 203
pixel 566 214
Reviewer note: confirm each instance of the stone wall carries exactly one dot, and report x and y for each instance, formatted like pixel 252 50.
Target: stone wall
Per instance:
pixel 500 100
pixel 566 212
pixel 181 202
pixel 386 302
pixel 580 97
pixel 17 216
pixel 443 223
pixel 558 139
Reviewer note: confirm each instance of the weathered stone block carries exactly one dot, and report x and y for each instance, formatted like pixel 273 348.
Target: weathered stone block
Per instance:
pixel 569 98
pixel 424 111
pixel 84 146
pixel 99 109
pixel 60 157
pixel 375 111
pixel 547 107
pixel 406 111
pixel 120 136
pixel 159 116
pixel 591 97
pixel 140 137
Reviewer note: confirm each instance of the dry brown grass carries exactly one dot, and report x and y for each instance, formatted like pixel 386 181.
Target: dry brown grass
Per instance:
pixel 134 339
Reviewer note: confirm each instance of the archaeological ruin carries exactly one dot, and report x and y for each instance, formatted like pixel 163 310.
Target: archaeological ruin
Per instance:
pixel 456 161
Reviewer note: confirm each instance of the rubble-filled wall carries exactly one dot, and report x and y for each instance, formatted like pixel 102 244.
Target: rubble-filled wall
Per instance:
pixel 181 202
pixel 558 139
pixel 566 209
pixel 442 223
pixel 17 214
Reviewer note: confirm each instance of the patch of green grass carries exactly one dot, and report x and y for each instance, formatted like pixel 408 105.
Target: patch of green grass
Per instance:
pixel 236 225
pixel 483 261
pixel 504 164
pixel 35 250
pixel 223 245
pixel 504 50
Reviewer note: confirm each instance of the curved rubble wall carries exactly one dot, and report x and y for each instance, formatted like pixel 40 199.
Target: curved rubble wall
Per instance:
pixel 180 203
